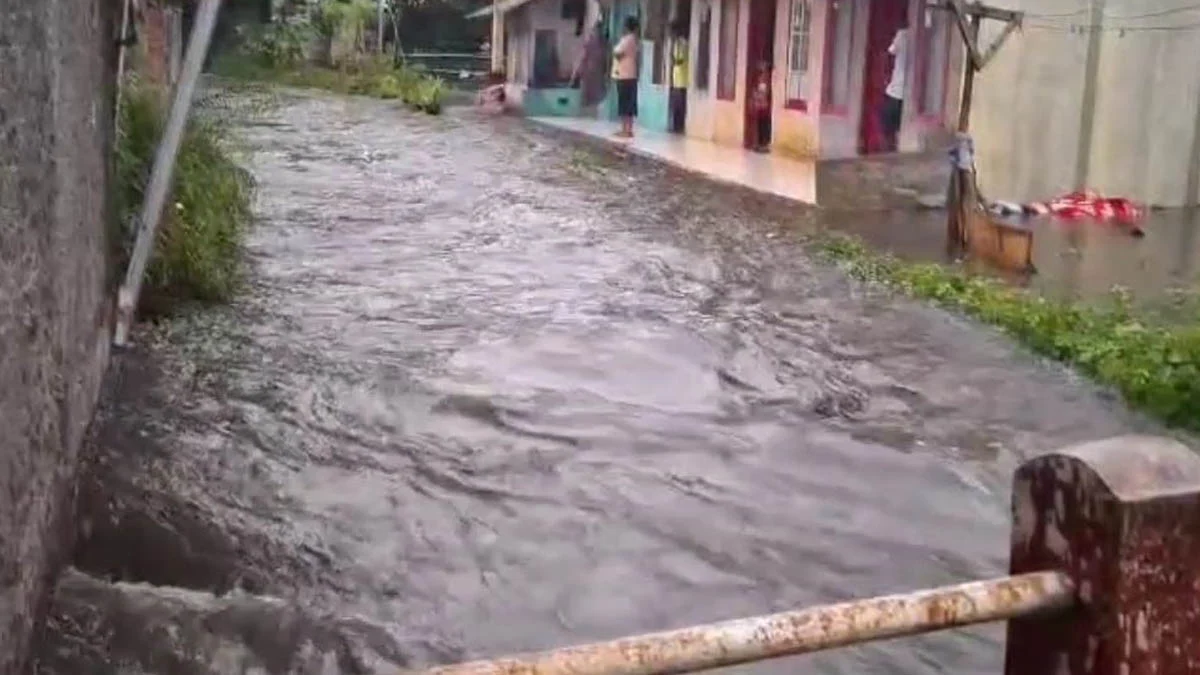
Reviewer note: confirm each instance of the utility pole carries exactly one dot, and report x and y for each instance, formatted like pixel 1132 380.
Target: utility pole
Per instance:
pixel 963 193
pixel 379 26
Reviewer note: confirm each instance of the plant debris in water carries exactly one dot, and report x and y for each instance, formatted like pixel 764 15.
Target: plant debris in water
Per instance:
pixel 1155 365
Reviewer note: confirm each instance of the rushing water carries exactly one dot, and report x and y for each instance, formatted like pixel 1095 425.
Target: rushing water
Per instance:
pixel 509 394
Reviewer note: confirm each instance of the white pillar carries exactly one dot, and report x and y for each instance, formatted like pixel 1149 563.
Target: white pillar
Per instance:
pixel 497 37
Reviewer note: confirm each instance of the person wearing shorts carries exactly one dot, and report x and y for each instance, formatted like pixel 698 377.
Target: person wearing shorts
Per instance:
pixel 892 111
pixel 625 74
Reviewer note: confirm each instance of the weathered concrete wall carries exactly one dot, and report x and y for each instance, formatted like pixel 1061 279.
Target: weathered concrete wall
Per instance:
pixel 55 121
pixel 1103 95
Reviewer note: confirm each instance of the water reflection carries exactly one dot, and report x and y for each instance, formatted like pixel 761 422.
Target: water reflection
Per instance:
pixel 1087 259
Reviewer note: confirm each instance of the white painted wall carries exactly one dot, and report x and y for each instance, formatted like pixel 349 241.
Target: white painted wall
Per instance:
pixel 700 111
pixel 1047 119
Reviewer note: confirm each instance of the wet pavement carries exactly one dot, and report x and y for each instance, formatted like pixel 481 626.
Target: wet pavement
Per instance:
pixel 509 393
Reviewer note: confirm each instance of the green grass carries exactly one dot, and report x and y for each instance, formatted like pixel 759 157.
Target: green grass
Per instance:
pixel 1155 365
pixel 376 78
pixel 197 255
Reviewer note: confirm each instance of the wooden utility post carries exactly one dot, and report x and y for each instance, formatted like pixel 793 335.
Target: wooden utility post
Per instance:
pixel 963 198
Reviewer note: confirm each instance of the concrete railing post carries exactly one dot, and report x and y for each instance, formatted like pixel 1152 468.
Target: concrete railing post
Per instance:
pixel 1121 517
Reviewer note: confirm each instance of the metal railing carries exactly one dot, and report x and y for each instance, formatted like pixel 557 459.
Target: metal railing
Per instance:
pixel 453 67
pixel 1104 581
pixel 791 633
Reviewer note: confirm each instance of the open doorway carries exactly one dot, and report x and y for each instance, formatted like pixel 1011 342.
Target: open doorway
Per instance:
pixel 681 23
pixel 885 19
pixel 760 52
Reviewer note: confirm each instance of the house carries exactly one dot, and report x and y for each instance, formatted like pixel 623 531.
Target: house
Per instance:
pixel 830 63
pixel 537 43
pixel 1102 95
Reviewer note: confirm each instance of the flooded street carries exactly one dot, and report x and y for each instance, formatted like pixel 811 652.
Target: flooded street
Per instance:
pixel 506 393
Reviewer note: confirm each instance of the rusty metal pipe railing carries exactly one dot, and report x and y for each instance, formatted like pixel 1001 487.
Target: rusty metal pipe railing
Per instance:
pixel 790 633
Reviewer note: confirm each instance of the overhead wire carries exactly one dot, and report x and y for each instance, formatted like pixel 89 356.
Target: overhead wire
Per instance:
pixel 1115 17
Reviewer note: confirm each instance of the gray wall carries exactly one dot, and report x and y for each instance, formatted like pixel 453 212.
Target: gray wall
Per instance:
pixel 54 125
pixel 1115 109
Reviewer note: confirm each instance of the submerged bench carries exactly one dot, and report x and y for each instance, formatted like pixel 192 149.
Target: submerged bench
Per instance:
pixel 1104 580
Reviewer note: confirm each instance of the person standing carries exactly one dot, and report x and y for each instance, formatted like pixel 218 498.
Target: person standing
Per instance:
pixel 893 98
pixel 679 75
pixel 760 105
pixel 625 72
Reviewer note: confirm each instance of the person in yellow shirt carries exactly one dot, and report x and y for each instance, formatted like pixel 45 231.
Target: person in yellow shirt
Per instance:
pixel 679 75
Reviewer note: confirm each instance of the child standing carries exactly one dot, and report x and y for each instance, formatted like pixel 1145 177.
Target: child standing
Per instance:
pixel 760 107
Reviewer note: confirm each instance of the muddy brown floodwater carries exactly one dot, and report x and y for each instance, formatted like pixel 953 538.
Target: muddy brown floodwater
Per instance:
pixel 502 392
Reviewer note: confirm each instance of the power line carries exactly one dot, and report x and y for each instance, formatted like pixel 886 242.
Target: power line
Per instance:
pixel 1117 17
pixel 1084 28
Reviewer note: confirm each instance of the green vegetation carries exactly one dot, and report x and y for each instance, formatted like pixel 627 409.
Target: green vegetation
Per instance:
pixel 280 53
pixel 197 254
pixel 1154 364
pixel 375 78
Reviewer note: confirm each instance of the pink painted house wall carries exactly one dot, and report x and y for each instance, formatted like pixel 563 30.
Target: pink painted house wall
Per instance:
pixel 818 130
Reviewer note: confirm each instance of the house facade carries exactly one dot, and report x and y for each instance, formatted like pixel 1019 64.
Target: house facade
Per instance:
pixel 829 60
pixel 830 66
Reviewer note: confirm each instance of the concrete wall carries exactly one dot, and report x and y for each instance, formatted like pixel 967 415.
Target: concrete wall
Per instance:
pixel 55 123
pixel 796 133
pixel 1115 109
pixel 701 96
pixel 709 117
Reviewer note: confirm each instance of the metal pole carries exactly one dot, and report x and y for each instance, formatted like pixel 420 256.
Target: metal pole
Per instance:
pixel 164 167
pixel 809 630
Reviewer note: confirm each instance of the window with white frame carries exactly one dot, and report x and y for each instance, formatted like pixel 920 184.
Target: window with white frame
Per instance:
pixel 798 43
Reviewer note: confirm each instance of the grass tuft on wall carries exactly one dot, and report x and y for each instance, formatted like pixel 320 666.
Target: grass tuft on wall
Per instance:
pixel 197 255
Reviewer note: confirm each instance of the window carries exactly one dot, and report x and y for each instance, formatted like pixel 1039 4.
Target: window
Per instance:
pixel 727 51
pixel 797 77
pixel 703 49
pixel 934 53
pixel 838 42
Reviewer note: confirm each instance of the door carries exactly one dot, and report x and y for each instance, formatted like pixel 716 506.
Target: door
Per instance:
pixel 885 17
pixel 654 76
pixel 760 48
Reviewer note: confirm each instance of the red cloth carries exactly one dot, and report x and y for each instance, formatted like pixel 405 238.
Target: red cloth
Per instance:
pixel 1088 204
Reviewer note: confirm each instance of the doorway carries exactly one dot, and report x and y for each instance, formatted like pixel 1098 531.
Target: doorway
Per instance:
pixel 885 17
pixel 760 48
pixel 681 17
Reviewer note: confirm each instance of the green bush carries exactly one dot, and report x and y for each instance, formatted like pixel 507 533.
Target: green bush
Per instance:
pixel 375 77
pixel 1155 365
pixel 276 45
pixel 197 252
